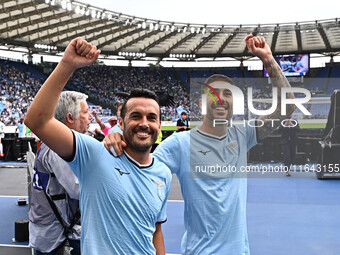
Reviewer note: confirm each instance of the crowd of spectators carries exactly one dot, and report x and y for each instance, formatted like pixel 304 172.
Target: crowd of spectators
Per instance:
pixel 17 90
pixel 105 86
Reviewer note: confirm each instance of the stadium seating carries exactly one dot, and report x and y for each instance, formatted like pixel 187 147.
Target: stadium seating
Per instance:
pixel 105 85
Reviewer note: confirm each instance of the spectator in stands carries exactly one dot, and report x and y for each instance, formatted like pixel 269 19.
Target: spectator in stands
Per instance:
pixel 182 123
pixel 22 128
pixel 215 202
pixel 17 90
pixel 105 129
pixel 54 182
pixel 113 121
pixel 116 128
pixel 123 200
pixel 2 135
pixel 115 80
pixel 289 142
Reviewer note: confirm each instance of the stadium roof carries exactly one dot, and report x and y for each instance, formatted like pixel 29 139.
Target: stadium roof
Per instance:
pixel 48 25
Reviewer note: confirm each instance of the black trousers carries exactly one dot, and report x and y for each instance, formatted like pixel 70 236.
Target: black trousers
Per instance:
pixel 289 151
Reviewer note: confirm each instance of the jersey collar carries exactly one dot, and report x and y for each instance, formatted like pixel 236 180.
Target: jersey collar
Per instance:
pixel 136 163
pixel 220 138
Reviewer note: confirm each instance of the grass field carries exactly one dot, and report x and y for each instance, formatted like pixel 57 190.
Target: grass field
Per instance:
pixel 171 128
pixel 168 128
pixel 312 125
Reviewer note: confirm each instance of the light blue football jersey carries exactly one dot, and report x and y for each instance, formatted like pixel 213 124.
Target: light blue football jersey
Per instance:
pixel 115 128
pixel 120 200
pixel 214 187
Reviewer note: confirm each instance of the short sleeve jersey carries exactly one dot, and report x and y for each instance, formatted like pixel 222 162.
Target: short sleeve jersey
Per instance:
pixel 116 128
pixel 120 200
pixel 21 128
pixel 214 188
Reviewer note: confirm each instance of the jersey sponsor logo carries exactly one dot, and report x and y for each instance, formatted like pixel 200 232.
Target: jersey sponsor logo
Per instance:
pixel 204 152
pixel 121 172
pixel 159 187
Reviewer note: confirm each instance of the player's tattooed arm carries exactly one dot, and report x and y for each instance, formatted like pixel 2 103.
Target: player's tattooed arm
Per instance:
pixel 273 68
pixel 278 80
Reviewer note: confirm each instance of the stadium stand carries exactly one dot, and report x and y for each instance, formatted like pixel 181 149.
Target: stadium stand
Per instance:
pixel 106 85
pixel 19 83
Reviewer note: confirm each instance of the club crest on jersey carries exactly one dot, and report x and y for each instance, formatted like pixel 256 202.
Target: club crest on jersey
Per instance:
pixel 160 185
pixel 232 144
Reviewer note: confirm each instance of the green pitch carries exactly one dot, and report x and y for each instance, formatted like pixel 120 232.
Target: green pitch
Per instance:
pixel 312 125
pixel 171 128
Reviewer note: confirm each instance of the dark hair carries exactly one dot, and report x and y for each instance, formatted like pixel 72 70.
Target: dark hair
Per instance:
pixel 218 77
pixel 119 104
pixel 145 93
pixel 183 113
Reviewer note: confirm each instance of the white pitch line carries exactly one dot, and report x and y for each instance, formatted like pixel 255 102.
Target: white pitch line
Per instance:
pixel 15 196
pixel 14 246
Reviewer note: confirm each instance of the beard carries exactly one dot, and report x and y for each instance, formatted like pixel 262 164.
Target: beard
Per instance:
pixel 138 144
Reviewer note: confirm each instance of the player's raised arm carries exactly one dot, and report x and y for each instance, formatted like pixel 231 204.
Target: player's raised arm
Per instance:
pixel 40 116
pixel 258 46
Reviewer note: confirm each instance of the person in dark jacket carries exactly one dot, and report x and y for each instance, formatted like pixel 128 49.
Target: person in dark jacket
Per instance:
pixel 182 123
pixel 289 142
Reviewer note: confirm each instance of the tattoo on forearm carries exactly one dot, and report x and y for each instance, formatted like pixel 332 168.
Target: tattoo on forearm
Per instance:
pixel 273 69
pixel 269 63
pixel 279 81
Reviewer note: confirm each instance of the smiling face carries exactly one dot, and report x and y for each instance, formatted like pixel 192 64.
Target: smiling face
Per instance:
pixel 218 110
pixel 141 124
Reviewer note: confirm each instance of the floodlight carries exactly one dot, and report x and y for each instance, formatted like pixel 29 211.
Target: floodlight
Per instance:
pixel 63 4
pixel 93 14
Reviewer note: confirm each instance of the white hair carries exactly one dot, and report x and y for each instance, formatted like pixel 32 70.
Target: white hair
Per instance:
pixel 69 102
